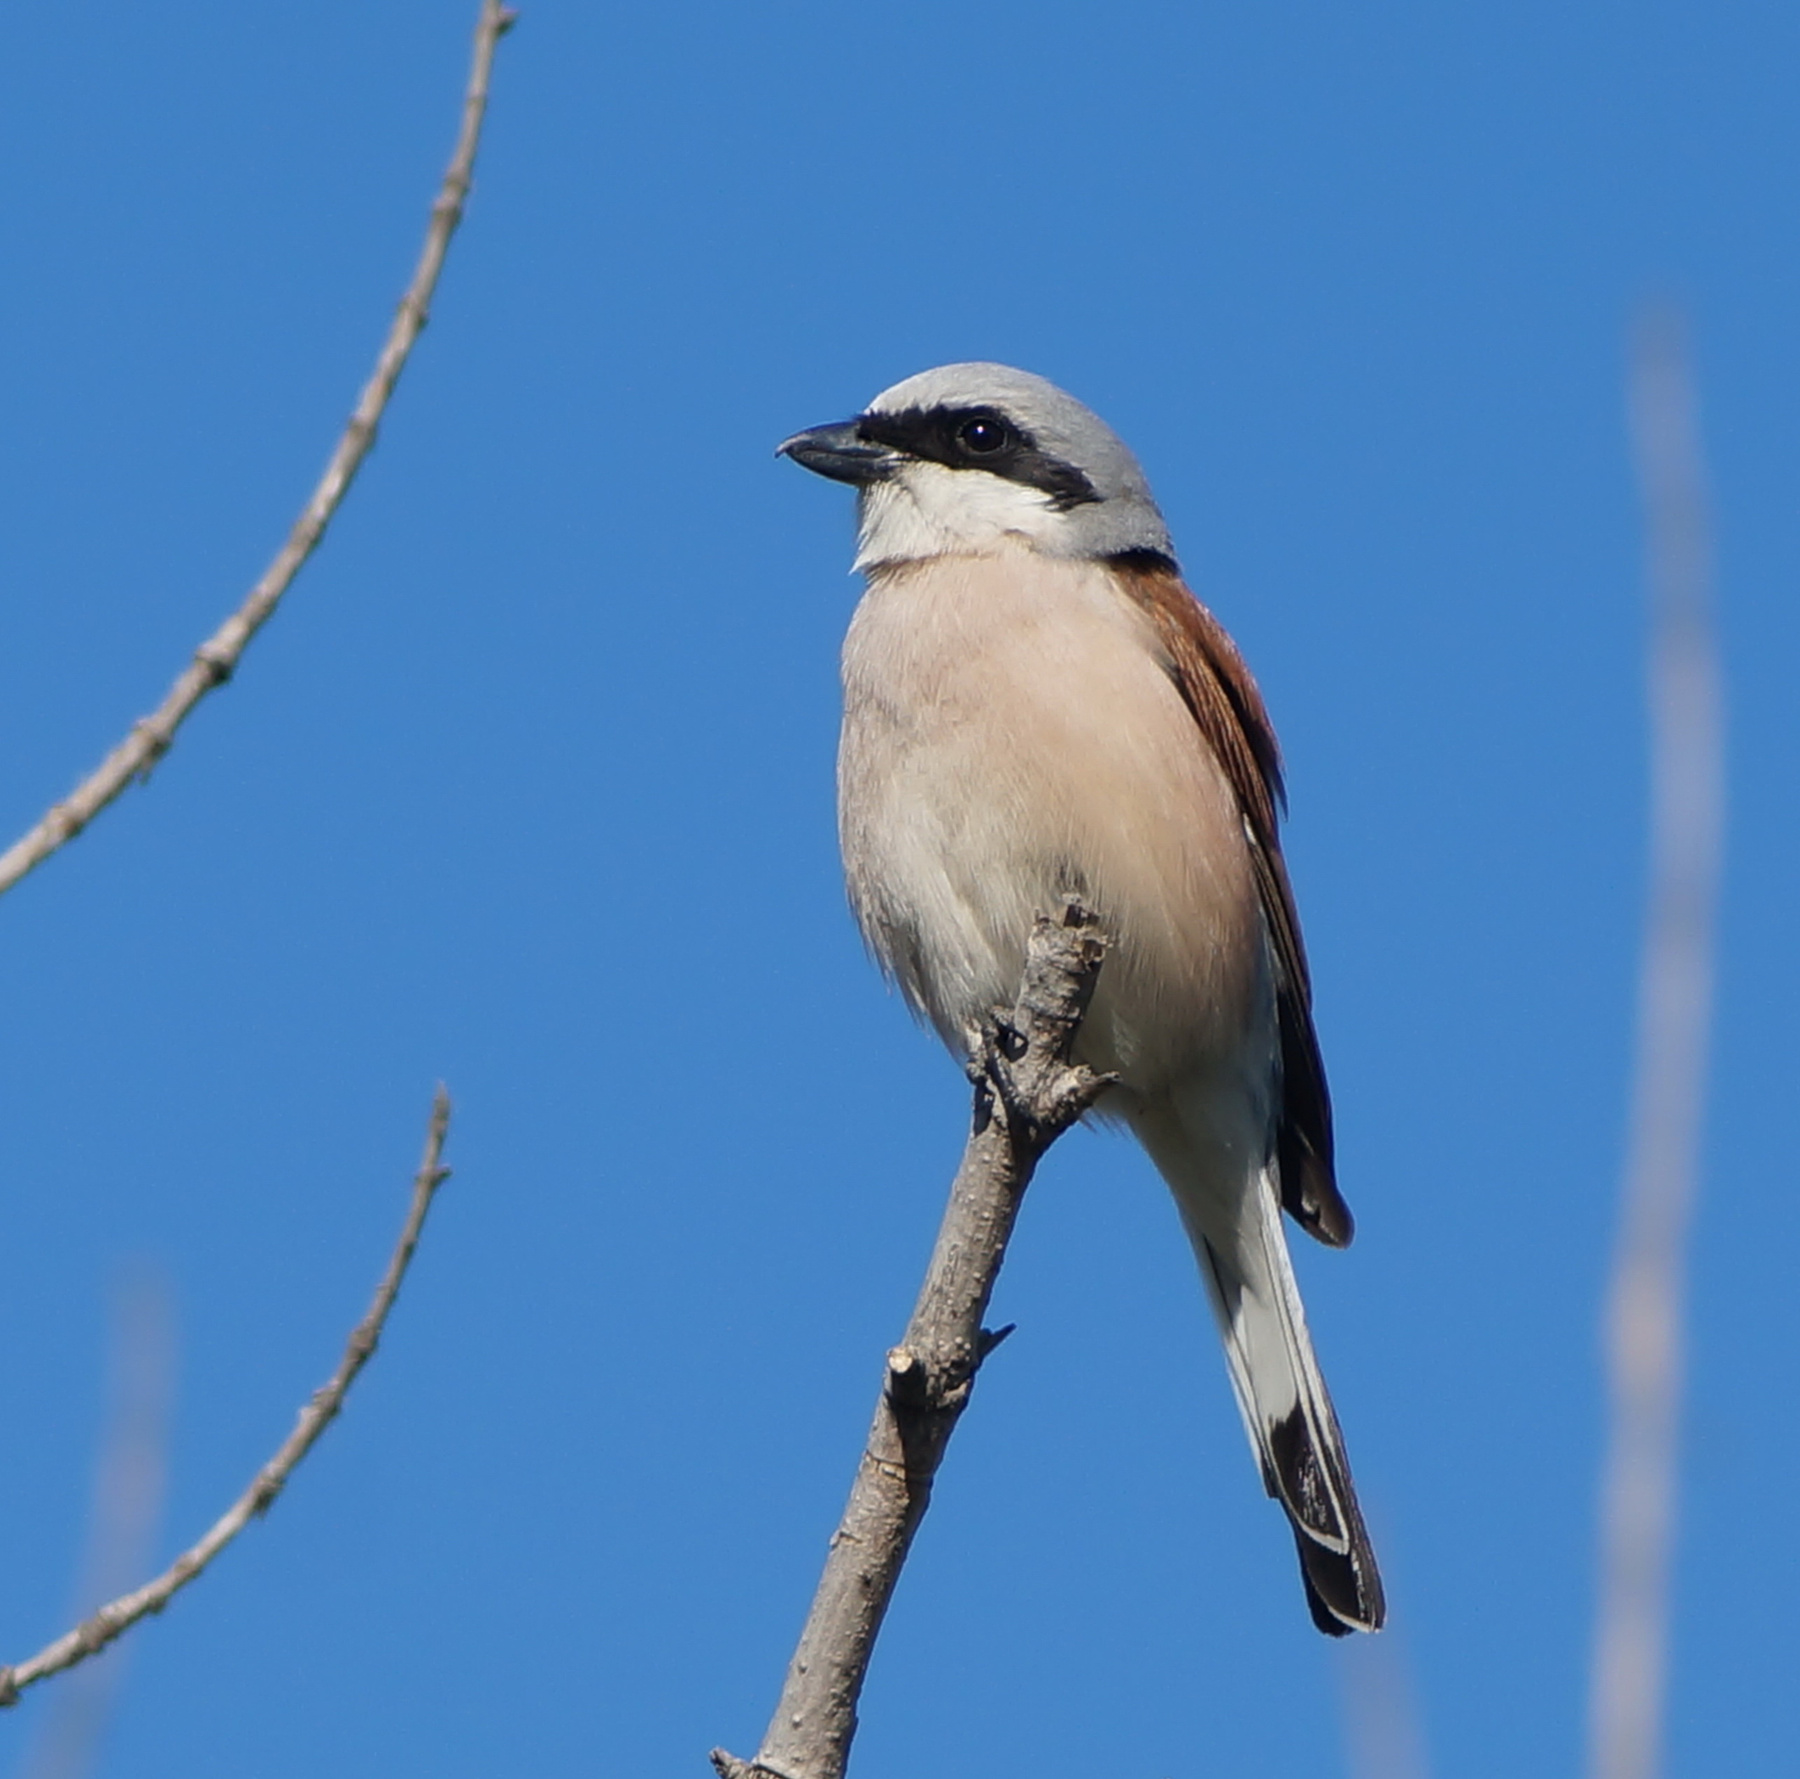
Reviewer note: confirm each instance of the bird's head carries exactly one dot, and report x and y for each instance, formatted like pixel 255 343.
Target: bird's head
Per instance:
pixel 967 458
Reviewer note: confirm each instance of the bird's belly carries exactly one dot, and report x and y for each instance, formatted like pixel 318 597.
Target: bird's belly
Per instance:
pixel 1011 739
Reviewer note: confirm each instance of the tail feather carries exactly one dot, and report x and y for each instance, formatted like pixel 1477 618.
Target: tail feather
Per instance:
pixel 1281 1394
pixel 1288 1414
pixel 1338 1589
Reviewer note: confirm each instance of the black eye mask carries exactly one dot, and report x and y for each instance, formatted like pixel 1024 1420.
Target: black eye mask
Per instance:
pixel 979 438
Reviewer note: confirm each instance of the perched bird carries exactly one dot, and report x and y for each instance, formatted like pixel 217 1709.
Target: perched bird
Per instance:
pixel 1036 707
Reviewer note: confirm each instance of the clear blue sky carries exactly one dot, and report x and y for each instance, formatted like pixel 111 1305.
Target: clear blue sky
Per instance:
pixel 530 788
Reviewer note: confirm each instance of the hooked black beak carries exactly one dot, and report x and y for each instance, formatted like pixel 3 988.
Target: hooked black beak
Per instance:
pixel 840 452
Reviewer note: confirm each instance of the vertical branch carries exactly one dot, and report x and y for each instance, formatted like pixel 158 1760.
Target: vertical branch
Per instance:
pixel 1027 1092
pixel 1384 1728
pixel 1644 1326
pixel 130 1484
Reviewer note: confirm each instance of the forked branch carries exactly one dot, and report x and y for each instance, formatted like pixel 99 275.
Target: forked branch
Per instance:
pixel 93 1634
pixel 216 658
pixel 1027 1093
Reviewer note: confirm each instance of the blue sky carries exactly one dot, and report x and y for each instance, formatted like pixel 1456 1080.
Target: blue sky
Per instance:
pixel 530 788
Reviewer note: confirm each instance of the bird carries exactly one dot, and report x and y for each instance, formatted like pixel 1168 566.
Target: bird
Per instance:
pixel 1037 708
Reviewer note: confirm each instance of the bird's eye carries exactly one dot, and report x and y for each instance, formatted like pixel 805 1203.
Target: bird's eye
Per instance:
pixel 982 436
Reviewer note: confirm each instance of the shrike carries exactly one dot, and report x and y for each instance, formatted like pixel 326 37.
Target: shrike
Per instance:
pixel 1036 707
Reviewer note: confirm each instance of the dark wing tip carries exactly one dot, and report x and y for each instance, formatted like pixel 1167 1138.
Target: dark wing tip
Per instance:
pixel 1309 1193
pixel 1304 1146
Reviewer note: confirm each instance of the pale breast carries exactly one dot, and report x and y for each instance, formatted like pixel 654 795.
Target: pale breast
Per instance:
pixel 1011 737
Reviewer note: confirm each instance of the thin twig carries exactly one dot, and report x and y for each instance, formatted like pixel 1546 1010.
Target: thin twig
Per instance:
pixel 1027 1093
pixel 215 660
pixel 1644 1330
pixel 95 1633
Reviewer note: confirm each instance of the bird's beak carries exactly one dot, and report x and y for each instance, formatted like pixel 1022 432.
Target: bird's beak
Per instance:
pixel 841 453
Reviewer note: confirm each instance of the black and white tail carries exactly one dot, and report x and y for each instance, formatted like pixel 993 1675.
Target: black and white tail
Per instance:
pixel 1236 1230
pixel 1288 1414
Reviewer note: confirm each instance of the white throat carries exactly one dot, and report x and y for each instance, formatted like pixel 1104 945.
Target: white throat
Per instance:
pixel 928 510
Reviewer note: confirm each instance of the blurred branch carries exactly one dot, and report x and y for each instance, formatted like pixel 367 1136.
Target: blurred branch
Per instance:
pixel 217 657
pixel 95 1633
pixel 1027 1093
pixel 1644 1329
pixel 130 1483
pixel 1385 1728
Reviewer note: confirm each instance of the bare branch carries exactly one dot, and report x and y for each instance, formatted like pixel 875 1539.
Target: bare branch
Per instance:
pixel 1027 1093
pixel 1644 1330
pixel 95 1633
pixel 216 658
